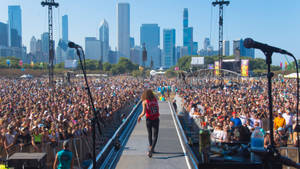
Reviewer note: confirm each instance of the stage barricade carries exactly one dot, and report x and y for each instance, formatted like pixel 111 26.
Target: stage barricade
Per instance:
pixel 80 147
pixel 290 152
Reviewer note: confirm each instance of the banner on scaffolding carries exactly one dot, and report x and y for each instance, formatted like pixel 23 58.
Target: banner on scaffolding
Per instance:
pixel 217 68
pixel 244 67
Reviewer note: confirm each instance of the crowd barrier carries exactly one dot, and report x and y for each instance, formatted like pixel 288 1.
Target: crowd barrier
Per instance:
pixel 80 147
pixel 290 152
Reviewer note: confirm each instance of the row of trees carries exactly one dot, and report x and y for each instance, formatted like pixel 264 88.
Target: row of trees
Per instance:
pixel 123 66
pixel 256 65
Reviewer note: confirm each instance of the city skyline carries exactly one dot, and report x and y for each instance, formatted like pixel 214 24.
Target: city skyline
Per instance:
pixel 246 24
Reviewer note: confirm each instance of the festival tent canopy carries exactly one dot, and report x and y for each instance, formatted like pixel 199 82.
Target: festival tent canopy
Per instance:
pixel 292 75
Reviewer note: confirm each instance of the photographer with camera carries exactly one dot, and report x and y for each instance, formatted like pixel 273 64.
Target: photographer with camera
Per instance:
pixel 281 138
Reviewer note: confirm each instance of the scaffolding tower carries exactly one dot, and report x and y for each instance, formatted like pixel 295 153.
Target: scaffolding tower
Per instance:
pixel 220 3
pixel 50 4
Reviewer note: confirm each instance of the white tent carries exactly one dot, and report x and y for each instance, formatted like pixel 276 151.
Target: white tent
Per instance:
pixel 292 75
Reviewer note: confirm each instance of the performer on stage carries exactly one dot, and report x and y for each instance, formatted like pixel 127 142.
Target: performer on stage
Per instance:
pixel 151 109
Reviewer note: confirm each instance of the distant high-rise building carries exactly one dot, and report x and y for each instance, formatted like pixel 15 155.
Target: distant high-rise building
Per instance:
pixel 39 54
pixel 15 26
pixel 206 43
pixel 104 40
pixel 3 34
pixel 65 28
pixel 33 45
pixel 240 50
pixel 169 39
pixel 195 48
pixel 185 18
pixel 136 55
pixel 225 48
pixel 132 43
pixel 187 32
pixel 45 46
pixel 92 48
pixel 113 57
pixel 39 45
pixel 150 36
pixel 123 29
pixel 59 55
pixel 178 53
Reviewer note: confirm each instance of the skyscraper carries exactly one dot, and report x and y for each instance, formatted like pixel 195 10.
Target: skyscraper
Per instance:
pixel 65 28
pixel 225 48
pixel 3 34
pixel 104 40
pixel 45 46
pixel 132 43
pixel 240 50
pixel 169 48
pixel 92 48
pixel 195 48
pixel 15 26
pixel 123 29
pixel 150 36
pixel 33 45
pixel 206 43
pixel 187 32
pixel 185 18
pixel 136 55
pixel 59 55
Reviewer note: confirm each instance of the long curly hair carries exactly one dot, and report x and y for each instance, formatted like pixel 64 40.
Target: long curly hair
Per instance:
pixel 148 95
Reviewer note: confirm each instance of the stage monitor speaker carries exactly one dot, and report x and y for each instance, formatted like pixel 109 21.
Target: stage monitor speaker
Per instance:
pixel 28 160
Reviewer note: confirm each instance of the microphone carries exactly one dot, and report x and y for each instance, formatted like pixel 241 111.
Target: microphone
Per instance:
pixel 250 43
pixel 73 45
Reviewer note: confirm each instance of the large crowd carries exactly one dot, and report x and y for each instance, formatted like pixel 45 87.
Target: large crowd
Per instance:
pixel 233 109
pixel 32 114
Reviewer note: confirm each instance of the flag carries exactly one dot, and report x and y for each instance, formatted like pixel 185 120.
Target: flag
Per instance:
pixel 281 65
pixel 21 63
pixel 8 62
pixel 31 64
pixel 285 65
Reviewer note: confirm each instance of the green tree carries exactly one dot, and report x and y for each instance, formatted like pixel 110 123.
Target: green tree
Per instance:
pixel 107 66
pixel 117 69
pixel 127 65
pixel 60 66
pixel 184 63
pixel 100 65
pixel 91 64
pixel 136 73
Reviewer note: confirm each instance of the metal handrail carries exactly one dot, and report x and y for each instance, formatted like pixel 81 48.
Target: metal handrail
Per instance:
pixel 190 152
pixel 110 142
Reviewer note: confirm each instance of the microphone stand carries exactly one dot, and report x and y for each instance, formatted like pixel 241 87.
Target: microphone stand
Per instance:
pixel 95 118
pixel 272 152
pixel 269 76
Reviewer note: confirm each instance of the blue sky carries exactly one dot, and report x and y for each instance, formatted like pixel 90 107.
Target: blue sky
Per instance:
pixel 275 22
